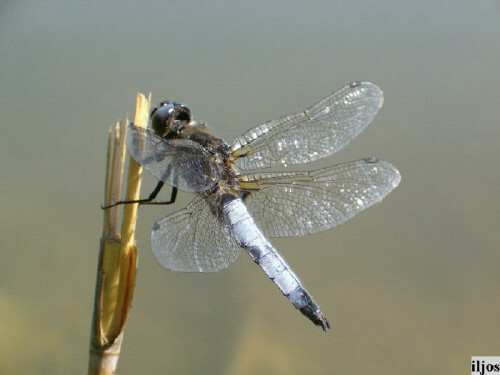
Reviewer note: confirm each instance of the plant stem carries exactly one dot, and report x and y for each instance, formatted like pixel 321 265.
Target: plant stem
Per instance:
pixel 117 264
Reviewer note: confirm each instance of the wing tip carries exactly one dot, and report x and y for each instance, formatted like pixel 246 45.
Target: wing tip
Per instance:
pixel 376 90
pixel 395 174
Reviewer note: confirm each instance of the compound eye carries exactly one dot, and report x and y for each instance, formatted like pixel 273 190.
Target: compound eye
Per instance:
pixel 160 118
pixel 153 111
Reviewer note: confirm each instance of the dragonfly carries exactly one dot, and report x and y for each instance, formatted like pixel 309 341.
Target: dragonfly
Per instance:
pixel 241 201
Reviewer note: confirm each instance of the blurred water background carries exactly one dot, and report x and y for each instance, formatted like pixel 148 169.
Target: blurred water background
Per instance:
pixel 410 286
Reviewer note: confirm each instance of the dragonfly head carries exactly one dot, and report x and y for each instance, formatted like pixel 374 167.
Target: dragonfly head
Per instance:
pixel 169 118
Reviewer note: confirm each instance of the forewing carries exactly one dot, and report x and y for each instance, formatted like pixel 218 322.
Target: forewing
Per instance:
pixel 315 133
pixel 193 240
pixel 179 162
pixel 299 203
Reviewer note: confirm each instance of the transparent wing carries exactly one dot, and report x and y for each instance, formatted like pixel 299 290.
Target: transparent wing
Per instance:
pixel 179 162
pixel 193 240
pixel 315 133
pixel 299 203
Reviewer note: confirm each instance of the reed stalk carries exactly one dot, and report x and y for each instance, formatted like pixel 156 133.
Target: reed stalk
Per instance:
pixel 117 263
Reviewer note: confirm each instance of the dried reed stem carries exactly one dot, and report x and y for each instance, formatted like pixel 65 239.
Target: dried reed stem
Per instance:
pixel 117 263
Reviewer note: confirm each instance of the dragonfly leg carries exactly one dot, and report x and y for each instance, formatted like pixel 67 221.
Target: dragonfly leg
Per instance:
pixel 148 200
pixel 173 195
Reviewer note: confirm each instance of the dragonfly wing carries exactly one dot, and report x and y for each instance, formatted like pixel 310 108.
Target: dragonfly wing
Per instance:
pixel 288 204
pixel 193 240
pixel 323 129
pixel 179 162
